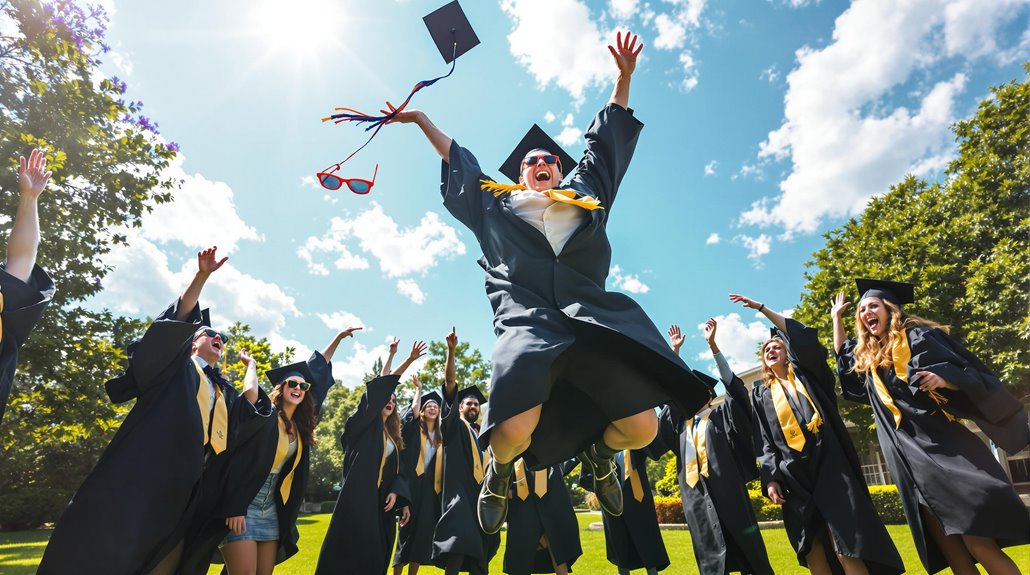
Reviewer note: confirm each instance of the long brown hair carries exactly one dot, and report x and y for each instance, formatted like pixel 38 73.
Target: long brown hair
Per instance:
pixel 393 426
pixel 438 436
pixel 304 416
pixel 871 351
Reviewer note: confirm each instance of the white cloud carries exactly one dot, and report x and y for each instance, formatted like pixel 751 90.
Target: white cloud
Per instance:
pixel 672 33
pixel 627 282
pixel 309 181
pixel 690 75
pixel 710 168
pixel 409 288
pixel 569 136
pixel 567 29
pixel 622 9
pixel 351 368
pixel 738 341
pixel 851 142
pixel 756 246
pixel 713 239
pixel 770 74
pixel 549 117
pixel 341 320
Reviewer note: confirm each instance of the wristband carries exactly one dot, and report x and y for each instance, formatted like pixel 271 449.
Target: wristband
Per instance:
pixel 761 307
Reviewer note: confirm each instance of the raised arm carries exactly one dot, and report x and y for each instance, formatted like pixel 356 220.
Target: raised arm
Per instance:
pixel 331 348
pixel 776 318
pixel 416 404
pixel 389 356
pixel 250 379
pixel 207 263
pixel 24 239
pixel 418 349
pixel 441 142
pixel 838 305
pixel 450 373
pixel 625 53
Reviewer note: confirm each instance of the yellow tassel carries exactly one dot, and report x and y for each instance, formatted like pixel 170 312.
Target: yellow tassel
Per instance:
pixel 937 397
pixel 499 189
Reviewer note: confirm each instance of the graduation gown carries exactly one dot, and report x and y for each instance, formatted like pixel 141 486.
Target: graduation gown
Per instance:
pixel 415 540
pixel 633 540
pixel 823 483
pixel 458 530
pixel 563 340
pixel 722 523
pixel 23 305
pixel 530 520
pixel 247 468
pixel 361 535
pixel 145 490
pixel 940 463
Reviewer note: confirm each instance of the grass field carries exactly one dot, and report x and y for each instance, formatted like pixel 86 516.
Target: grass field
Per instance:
pixel 20 551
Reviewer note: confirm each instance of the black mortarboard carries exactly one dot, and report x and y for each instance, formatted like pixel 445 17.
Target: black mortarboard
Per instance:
pixel 775 333
pixel 471 391
pixel 449 26
pixel 706 379
pixel 205 317
pixel 899 293
pixel 431 396
pixel 279 374
pixel 535 138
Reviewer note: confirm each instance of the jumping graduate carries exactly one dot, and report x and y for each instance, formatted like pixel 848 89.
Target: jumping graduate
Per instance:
pixel 459 546
pixel 255 518
pixel 960 505
pixel 132 511
pixel 363 527
pixel 543 533
pixel 422 459
pixel 564 343
pixel 806 460
pixel 716 458
pixel 25 289
pixel 633 540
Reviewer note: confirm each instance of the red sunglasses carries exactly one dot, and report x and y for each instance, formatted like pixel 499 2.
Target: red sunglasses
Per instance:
pixel 331 181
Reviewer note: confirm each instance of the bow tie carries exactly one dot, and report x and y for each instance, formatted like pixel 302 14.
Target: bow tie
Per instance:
pixel 215 375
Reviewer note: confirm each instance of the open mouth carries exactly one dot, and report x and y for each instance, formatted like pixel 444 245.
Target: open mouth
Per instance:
pixel 217 345
pixel 872 323
pixel 542 176
pixel 296 394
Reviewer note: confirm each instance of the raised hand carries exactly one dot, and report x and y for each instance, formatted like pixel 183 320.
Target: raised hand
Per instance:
pixel 452 339
pixel 418 349
pixel 246 358
pixel 393 345
pixel 32 174
pixel 676 337
pixel 625 52
pixel 710 327
pixel 838 304
pixel 402 116
pixel 349 332
pixel 746 301
pixel 207 261
pixel 415 381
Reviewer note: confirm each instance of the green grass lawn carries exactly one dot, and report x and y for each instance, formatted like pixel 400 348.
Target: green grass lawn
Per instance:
pixel 20 551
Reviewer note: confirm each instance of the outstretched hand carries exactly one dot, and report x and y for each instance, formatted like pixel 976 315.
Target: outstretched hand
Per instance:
pixel 246 358
pixel 418 349
pixel 452 339
pixel 676 337
pixel 32 174
pixel 207 262
pixel 746 301
pixel 625 52
pixel 349 332
pixel 838 304
pixel 401 116
pixel 710 327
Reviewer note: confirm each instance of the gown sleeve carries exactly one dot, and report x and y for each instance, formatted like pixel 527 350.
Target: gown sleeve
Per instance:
pixel 670 419
pixel 810 354
pixel 462 191
pixel 322 371
pixel 611 140
pixel 24 302
pixel 737 418
pixel 852 385
pixel 377 394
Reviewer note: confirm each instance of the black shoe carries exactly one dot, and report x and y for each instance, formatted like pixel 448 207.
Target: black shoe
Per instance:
pixel 607 488
pixel 492 508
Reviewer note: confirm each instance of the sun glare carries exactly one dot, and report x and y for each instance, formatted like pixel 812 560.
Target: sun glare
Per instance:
pixel 303 28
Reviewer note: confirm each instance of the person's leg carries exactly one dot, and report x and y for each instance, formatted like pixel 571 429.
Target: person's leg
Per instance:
pixel 632 432
pixel 990 555
pixel 413 568
pixel 652 571
pixel 454 562
pixel 622 571
pixel 398 569
pixel 241 557
pixel 627 433
pixel 951 546
pixel 852 565
pixel 816 559
pixel 170 563
pixel 508 439
pixel 266 551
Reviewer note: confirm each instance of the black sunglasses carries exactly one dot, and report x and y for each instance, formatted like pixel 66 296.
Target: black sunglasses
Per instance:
pixel 304 386
pixel 212 333
pixel 547 159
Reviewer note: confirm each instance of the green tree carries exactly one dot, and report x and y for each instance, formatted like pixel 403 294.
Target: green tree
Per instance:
pixel 964 241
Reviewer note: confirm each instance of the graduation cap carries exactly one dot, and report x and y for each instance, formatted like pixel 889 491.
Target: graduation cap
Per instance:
pixel 299 369
pixel 471 391
pixel 775 333
pixel 431 396
pixel 205 317
pixel 451 31
pixel 706 379
pixel 899 293
pixel 535 138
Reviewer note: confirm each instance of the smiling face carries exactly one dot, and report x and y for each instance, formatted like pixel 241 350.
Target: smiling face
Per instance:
pixel 389 407
pixel 208 347
pixel 469 409
pixel 774 353
pixel 873 314
pixel 431 410
pixel 293 395
pixel 540 176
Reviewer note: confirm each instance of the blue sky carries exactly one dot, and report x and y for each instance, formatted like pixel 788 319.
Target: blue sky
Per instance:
pixel 766 124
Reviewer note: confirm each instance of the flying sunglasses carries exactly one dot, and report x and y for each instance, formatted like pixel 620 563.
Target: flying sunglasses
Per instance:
pixel 212 333
pixel 304 386
pixel 331 181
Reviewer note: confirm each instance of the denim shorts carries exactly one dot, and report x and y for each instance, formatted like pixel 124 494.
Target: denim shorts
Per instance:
pixel 262 517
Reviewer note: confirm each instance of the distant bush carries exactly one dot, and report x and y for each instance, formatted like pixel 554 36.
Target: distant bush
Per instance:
pixel 669 509
pixel 31 507
pixel 887 502
pixel 328 506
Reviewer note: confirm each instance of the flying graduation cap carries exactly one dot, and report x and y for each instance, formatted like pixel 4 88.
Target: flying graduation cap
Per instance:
pixel 535 139
pixel 900 293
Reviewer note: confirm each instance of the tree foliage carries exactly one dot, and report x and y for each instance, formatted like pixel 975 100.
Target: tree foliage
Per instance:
pixel 964 242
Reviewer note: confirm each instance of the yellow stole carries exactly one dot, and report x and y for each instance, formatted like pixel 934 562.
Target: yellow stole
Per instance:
pixel 477 456
pixel 420 467
pixel 522 483
pixel 788 423
pixel 901 354
pixel 282 447
pixel 630 473
pixel 699 437
pixel 564 196
pixel 382 461
pixel 216 425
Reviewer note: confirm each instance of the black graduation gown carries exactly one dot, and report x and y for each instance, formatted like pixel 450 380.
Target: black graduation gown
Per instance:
pixel 23 306
pixel 145 490
pixel 563 340
pixel 246 471
pixel 415 540
pixel 722 523
pixel 938 463
pixel 361 535
pixel 824 482
pixel 458 530
pixel 633 540
pixel 551 516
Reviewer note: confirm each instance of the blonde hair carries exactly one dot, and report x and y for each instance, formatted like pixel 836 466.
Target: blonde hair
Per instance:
pixel 768 375
pixel 871 351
